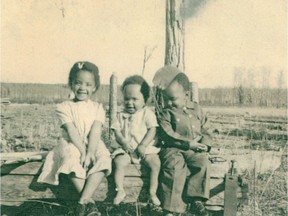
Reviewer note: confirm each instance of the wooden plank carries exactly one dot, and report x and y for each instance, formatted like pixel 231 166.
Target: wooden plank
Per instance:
pixel 135 187
pixel 19 181
pixel 230 195
pixel 11 189
pixel 33 168
pixel 11 157
pixel 218 169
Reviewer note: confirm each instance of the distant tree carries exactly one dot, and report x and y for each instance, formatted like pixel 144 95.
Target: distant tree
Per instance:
pixel 239 85
pixel 280 85
pixel 251 87
pixel 265 86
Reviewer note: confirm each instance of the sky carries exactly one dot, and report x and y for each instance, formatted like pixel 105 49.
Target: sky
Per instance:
pixel 40 42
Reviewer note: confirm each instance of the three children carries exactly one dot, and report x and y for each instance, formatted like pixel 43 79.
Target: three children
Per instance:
pixel 83 156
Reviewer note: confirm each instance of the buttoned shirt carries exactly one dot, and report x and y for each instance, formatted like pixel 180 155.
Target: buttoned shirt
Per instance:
pixel 178 127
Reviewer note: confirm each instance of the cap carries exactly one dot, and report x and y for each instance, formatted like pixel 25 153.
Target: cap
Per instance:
pixel 165 75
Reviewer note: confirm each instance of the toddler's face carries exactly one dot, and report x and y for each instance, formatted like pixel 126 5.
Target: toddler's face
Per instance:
pixel 84 85
pixel 174 96
pixel 133 98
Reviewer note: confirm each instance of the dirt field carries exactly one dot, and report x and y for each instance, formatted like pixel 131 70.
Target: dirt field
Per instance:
pixel 238 133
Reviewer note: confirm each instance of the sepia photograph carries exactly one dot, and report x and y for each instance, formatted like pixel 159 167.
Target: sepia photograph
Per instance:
pixel 144 108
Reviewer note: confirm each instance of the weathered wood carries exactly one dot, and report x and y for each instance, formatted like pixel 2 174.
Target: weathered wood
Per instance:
pixel 218 170
pixel 230 195
pixel 22 156
pixel 112 103
pixel 19 182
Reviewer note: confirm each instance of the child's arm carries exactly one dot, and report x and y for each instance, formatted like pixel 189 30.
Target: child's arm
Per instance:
pixel 206 135
pixel 75 139
pixel 168 135
pixel 93 141
pixel 64 113
pixel 149 136
pixel 123 141
pixel 204 143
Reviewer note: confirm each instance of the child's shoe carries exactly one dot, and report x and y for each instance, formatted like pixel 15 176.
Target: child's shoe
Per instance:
pixel 80 209
pixel 119 197
pixel 92 210
pixel 168 213
pixel 154 199
pixel 199 209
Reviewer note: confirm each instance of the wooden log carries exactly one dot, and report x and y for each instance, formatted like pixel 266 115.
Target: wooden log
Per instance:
pixel 112 103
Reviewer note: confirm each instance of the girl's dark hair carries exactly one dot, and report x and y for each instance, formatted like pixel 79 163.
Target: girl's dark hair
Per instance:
pixel 84 66
pixel 183 80
pixel 136 79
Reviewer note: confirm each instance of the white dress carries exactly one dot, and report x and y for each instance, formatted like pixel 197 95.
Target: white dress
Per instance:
pixel 65 157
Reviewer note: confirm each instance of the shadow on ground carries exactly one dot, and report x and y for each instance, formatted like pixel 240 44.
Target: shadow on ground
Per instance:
pixel 51 207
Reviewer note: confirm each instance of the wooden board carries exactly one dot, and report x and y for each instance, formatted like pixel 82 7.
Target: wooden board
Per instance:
pixel 218 170
pixel 19 182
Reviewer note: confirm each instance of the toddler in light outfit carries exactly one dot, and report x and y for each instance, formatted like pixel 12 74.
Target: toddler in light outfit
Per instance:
pixel 135 133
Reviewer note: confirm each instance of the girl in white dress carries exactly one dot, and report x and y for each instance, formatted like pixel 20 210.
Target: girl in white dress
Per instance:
pixel 81 154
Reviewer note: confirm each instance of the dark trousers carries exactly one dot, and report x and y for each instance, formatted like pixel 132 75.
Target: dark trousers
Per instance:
pixel 177 188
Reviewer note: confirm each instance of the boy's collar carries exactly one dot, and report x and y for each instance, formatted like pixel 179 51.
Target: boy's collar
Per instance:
pixel 190 105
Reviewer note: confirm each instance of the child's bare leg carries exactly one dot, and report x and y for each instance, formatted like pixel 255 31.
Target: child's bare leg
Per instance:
pixel 78 183
pixel 153 162
pixel 92 183
pixel 121 162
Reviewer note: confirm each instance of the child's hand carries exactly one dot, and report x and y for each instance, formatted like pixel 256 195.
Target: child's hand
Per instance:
pixel 90 158
pixel 82 158
pixel 141 149
pixel 198 147
pixel 127 147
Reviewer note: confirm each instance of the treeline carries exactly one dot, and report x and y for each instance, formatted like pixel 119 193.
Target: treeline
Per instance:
pixel 239 96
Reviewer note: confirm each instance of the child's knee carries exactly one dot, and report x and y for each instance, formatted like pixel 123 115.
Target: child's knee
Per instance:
pixel 155 166
pixel 121 161
pixel 153 162
pixel 203 161
pixel 175 162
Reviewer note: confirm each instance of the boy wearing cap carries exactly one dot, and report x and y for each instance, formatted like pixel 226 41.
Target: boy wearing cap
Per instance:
pixel 185 143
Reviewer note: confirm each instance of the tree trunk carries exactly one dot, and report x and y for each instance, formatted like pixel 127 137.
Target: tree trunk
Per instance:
pixel 175 40
pixel 175 32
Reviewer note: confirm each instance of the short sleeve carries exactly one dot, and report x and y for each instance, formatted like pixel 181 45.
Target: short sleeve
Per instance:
pixel 150 119
pixel 64 114
pixel 100 114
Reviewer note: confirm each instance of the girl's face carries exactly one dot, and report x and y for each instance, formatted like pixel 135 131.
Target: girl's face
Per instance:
pixel 133 98
pixel 175 96
pixel 83 85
